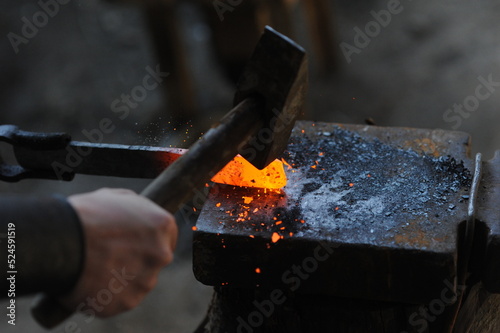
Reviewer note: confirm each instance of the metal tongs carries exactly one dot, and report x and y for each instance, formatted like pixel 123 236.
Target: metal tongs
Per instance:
pixel 56 156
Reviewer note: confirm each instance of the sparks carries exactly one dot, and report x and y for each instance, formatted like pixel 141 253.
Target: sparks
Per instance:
pixel 275 237
pixel 247 200
pixel 286 163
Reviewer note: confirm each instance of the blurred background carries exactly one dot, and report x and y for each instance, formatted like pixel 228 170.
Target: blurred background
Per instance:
pixel 408 63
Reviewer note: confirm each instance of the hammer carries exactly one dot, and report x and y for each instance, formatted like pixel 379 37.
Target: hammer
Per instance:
pixel 270 95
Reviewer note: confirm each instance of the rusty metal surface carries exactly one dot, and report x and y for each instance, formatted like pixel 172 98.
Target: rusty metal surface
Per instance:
pixel 384 203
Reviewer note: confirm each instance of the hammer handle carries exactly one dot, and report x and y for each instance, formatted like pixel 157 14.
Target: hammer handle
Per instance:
pixel 176 184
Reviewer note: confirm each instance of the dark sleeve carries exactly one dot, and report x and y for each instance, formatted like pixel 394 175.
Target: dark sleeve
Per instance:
pixel 48 239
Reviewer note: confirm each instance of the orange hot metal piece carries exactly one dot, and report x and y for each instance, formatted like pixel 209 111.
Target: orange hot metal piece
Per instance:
pixel 240 172
pixel 275 237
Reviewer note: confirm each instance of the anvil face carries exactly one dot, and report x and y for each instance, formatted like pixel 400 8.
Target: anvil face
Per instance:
pixel 368 212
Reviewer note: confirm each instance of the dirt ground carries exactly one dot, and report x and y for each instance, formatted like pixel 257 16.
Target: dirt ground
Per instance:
pixel 425 58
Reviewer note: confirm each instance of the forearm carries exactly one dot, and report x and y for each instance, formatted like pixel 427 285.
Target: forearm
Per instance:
pixel 48 244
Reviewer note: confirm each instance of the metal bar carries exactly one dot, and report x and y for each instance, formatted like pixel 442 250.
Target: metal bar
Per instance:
pixel 99 159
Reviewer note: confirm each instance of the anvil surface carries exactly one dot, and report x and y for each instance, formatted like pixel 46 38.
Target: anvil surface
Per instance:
pixel 368 212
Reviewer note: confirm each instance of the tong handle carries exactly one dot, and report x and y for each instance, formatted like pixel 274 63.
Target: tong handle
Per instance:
pixel 35 141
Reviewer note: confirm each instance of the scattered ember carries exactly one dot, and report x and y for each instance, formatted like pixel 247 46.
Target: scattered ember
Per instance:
pixel 251 236
pixel 275 237
pixel 247 200
pixel 240 172
pixel 351 184
pixel 286 163
pixel 194 228
pixel 256 210
pixel 218 204
pixel 368 175
pixel 257 270
pixel 278 222
pixel 321 154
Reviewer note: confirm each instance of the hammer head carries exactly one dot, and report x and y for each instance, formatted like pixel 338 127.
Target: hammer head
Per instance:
pixel 277 73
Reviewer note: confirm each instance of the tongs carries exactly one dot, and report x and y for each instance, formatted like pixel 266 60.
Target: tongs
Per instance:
pixel 56 156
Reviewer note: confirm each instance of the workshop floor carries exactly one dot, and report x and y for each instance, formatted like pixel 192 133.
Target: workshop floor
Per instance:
pixel 429 57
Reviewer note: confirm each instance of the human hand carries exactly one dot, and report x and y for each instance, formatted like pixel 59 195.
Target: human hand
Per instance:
pixel 128 240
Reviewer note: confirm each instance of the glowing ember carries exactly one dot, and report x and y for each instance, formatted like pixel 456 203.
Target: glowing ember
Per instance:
pixel 247 200
pixel 275 237
pixel 240 172
pixel 218 204
pixel 257 270
pixel 286 163
pixel 194 228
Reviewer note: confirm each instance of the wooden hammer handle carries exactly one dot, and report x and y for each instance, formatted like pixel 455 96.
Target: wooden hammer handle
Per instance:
pixel 174 186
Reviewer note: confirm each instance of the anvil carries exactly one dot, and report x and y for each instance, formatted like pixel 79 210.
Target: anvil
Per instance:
pixel 368 212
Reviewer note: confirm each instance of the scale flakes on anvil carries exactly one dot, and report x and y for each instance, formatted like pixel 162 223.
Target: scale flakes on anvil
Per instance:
pixel 384 203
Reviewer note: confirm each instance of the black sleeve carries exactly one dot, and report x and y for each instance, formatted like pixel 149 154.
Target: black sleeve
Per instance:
pixel 49 248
